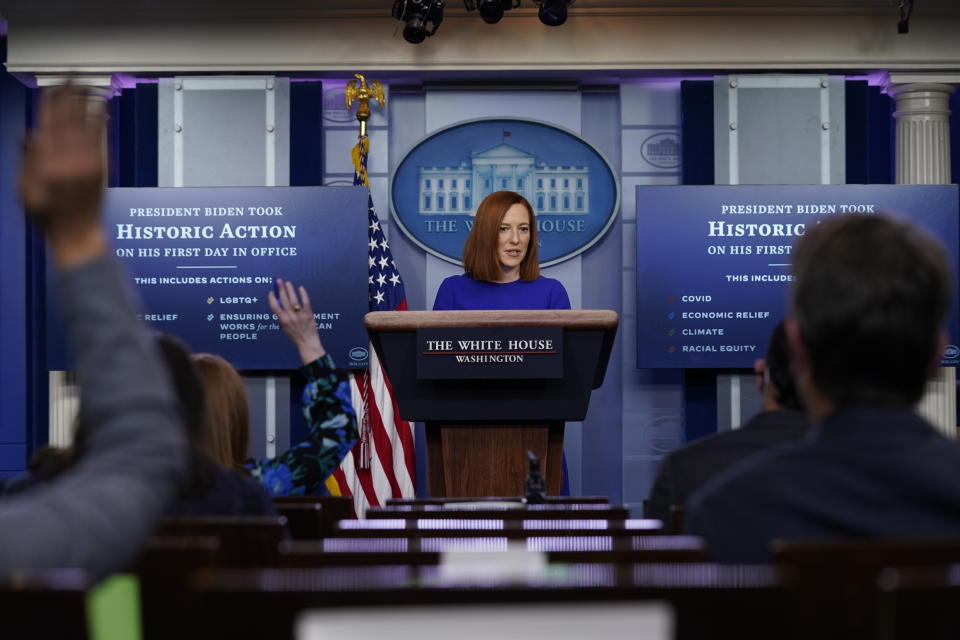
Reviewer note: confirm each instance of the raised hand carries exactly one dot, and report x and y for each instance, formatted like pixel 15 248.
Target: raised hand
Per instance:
pixel 62 179
pixel 296 319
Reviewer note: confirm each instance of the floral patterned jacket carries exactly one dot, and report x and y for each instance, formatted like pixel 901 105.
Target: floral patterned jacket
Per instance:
pixel 332 424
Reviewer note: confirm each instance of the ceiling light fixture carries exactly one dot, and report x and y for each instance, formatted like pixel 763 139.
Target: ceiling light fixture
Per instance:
pixel 491 11
pixel 416 14
pixel 553 13
pixel 906 9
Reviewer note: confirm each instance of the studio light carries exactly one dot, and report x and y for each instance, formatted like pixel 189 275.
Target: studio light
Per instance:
pixel 416 14
pixel 553 13
pixel 491 10
pixel 906 10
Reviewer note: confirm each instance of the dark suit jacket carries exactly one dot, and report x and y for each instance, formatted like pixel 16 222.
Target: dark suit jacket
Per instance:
pixel 864 472
pixel 231 493
pixel 685 470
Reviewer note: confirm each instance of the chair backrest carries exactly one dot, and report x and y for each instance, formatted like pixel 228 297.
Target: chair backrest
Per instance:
pixel 246 540
pixel 920 602
pixel 710 601
pixel 164 569
pixel 335 508
pixel 402 551
pixel 837 578
pixel 419 502
pixel 176 554
pixel 341 552
pixel 678 515
pixel 509 511
pixel 47 603
pixel 465 526
pixel 858 558
pixel 305 520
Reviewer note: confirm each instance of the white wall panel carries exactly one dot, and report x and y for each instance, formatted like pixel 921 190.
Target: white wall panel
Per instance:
pixel 561 108
pixel 650 103
pixel 231 131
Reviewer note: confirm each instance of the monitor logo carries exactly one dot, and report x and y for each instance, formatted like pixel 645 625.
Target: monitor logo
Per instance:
pixel 951 352
pixel 440 182
pixel 358 353
pixel 662 150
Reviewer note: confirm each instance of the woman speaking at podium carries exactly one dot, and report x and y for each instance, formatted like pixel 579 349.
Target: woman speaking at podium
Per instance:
pixel 501 270
pixel 500 262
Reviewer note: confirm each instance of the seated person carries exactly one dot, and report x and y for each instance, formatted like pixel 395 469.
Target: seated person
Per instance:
pixel 210 489
pixel 214 489
pixel 327 408
pixel 782 420
pixel 96 515
pixel 213 400
pixel 867 310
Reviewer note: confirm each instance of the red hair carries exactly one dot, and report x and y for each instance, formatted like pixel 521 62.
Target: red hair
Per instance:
pixel 480 259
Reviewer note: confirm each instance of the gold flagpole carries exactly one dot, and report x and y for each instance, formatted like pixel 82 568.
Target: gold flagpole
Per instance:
pixel 360 92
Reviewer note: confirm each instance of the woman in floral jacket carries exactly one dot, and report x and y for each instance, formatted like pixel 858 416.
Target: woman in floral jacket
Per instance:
pixel 327 407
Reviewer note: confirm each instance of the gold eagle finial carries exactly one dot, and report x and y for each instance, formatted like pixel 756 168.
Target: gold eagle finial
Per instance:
pixel 359 91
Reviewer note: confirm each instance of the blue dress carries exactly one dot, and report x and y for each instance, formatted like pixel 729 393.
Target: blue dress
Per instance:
pixel 463 293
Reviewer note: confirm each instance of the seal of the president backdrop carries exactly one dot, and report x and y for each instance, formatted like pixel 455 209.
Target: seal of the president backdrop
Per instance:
pixel 443 178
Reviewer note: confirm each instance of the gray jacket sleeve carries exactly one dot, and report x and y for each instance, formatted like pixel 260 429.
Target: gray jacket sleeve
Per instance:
pixel 97 514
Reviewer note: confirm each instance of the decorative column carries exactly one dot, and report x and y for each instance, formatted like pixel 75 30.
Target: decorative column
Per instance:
pixel 923 157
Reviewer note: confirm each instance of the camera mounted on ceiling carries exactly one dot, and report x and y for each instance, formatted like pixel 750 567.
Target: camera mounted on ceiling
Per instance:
pixel 417 14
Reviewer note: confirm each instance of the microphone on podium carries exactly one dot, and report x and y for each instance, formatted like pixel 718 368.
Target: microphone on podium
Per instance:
pixel 534 486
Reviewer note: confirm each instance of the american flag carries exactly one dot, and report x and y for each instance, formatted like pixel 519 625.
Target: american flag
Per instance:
pixel 381 465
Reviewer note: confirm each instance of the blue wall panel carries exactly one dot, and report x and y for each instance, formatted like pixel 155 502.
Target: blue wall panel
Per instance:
pixel 38 404
pixel 306 169
pixel 696 133
pixel 869 134
pixel 696 141
pixel 13 292
pixel 12 457
pixel 146 154
pixel 306 134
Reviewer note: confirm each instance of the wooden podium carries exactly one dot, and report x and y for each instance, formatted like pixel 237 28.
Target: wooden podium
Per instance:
pixel 480 425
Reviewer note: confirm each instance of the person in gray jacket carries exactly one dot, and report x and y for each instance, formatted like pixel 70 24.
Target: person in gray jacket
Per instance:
pixel 97 515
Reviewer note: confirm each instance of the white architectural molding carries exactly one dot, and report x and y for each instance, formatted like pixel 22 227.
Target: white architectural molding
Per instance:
pixel 160 38
pixel 105 86
pixel 906 77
